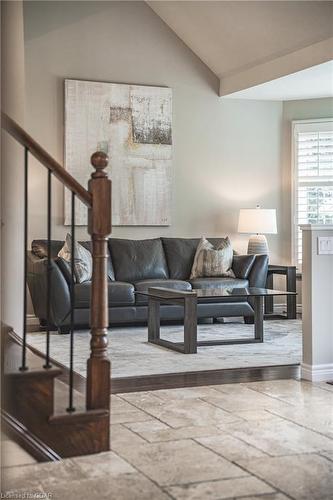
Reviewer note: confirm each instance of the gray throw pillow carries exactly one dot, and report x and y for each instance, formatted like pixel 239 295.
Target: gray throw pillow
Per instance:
pixel 211 261
pixel 82 259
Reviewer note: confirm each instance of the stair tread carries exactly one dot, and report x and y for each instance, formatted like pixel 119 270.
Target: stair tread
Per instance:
pixel 13 358
pixel 83 415
pixel 34 372
pixel 61 396
pixel 79 433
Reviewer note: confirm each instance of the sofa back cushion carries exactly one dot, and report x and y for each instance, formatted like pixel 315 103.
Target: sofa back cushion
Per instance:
pixel 88 246
pixel 135 260
pixel 180 254
pixel 39 248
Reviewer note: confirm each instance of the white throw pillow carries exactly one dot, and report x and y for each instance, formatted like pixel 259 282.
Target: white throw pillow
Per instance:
pixel 213 261
pixel 82 259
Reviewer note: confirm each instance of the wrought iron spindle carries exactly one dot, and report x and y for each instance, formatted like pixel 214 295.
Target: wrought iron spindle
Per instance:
pixel 24 340
pixel 71 408
pixel 49 268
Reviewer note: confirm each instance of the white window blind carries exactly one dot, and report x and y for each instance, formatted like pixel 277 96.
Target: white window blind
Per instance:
pixel 313 186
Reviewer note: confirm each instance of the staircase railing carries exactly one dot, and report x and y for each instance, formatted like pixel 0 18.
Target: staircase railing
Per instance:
pixel 97 199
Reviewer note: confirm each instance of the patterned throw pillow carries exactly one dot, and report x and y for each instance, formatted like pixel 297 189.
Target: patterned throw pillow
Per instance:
pixel 213 261
pixel 82 259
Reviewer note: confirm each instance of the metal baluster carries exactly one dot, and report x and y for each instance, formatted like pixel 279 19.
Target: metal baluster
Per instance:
pixel 24 367
pixel 49 269
pixel 71 354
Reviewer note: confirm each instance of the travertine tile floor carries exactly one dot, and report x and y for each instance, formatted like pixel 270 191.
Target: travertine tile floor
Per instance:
pixel 263 440
pixel 12 454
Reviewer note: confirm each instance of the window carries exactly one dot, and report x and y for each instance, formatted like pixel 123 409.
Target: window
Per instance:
pixel 313 178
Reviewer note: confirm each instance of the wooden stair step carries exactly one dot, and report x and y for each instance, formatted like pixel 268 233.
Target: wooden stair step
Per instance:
pixel 77 417
pixel 61 398
pixel 35 373
pixel 36 408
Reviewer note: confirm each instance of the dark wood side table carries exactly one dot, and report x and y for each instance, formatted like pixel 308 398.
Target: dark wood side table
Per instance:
pixel 290 273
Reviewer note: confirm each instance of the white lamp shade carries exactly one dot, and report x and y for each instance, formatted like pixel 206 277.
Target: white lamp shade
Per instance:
pixel 257 220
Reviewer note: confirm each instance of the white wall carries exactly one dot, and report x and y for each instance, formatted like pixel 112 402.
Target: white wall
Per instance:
pixel 317 362
pixel 295 110
pixel 12 167
pixel 226 153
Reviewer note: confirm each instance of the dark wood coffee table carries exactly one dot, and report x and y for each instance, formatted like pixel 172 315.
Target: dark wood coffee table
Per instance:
pixel 189 300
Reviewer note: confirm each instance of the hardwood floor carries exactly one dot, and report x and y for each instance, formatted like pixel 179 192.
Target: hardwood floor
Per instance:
pixel 201 378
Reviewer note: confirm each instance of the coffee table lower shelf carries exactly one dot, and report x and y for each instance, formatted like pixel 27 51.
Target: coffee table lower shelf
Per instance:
pixel 179 346
pixel 189 301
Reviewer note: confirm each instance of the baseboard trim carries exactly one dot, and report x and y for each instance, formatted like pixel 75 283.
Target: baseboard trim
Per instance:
pixel 28 441
pixel 282 308
pixel 317 373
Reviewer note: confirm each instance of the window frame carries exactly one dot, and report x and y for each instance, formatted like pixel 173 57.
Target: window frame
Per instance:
pixel 294 184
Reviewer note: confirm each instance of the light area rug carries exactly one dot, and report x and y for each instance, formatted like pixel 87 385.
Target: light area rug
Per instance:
pixel 132 355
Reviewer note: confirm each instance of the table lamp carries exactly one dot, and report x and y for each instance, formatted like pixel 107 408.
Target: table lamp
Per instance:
pixel 257 222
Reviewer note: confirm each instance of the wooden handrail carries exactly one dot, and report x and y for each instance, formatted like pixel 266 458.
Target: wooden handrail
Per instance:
pixel 45 159
pixel 98 200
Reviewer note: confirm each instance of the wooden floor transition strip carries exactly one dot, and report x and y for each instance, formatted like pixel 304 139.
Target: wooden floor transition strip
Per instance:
pixel 206 377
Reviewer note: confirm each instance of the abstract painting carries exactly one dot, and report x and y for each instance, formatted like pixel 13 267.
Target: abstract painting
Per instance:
pixel 133 125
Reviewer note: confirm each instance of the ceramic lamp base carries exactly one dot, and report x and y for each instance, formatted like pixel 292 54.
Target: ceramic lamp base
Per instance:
pixel 257 245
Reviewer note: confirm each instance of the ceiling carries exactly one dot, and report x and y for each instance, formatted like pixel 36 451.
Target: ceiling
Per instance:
pixel 311 83
pixel 246 43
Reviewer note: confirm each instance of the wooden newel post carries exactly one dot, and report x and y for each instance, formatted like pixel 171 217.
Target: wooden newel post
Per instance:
pixel 99 227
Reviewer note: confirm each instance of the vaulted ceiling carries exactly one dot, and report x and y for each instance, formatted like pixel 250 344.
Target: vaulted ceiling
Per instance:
pixel 246 43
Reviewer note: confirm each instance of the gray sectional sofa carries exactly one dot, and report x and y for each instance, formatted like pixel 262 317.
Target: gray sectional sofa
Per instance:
pixel 137 265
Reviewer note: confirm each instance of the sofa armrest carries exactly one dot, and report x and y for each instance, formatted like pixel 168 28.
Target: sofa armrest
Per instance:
pixel 258 274
pixel 59 290
pixel 253 268
pixel 242 265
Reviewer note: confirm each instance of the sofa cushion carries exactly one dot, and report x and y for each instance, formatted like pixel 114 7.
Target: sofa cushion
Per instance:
pixel 82 259
pixel 88 246
pixel 180 254
pixel 120 294
pixel 39 248
pixel 145 284
pixel 218 283
pixel 136 260
pixel 198 283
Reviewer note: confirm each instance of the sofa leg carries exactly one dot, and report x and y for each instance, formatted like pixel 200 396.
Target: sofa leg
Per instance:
pixel 62 330
pixel 43 326
pixel 249 320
